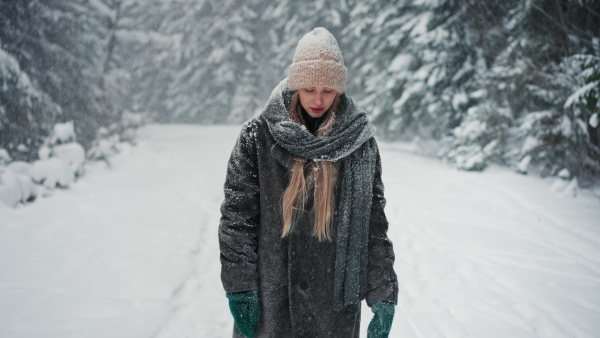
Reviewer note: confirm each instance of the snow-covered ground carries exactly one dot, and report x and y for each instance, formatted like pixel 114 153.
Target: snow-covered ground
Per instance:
pixel 131 251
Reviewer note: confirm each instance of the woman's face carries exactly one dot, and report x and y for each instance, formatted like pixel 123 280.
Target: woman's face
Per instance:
pixel 316 100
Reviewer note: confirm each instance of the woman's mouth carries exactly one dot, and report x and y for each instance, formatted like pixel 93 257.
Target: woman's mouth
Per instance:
pixel 316 110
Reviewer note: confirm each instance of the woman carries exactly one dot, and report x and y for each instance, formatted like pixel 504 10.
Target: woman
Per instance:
pixel 303 232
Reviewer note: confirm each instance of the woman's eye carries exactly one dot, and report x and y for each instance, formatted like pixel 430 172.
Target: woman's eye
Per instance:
pixel 309 90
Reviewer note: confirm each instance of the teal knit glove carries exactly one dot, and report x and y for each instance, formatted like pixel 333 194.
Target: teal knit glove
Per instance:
pixel 245 309
pixel 382 320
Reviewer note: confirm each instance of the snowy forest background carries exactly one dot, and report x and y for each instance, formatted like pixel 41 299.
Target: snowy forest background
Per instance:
pixel 471 81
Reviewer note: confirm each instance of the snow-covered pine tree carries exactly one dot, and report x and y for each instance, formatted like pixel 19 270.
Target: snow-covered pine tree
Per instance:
pixel 534 78
pixel 70 52
pixel 26 112
pixel 216 43
pixel 418 63
pixel 152 48
pixel 232 54
pixel 377 41
pixel 478 123
pixel 246 31
pixel 59 45
pixel 583 106
pixel 134 63
pixel 488 79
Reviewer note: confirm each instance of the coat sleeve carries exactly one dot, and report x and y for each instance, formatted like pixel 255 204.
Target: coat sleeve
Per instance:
pixel 240 214
pixel 382 283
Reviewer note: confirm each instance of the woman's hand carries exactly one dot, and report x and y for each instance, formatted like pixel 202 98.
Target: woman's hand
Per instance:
pixel 382 320
pixel 245 309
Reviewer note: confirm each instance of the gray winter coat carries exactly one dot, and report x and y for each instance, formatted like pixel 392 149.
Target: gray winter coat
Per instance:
pixel 293 275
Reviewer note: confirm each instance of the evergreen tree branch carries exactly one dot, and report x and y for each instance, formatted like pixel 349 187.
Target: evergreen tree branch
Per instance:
pixel 564 28
pixel 589 9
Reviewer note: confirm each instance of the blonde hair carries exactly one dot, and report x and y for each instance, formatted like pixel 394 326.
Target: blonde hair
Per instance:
pixel 322 177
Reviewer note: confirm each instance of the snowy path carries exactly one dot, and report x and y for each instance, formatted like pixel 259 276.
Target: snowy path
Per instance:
pixel 132 251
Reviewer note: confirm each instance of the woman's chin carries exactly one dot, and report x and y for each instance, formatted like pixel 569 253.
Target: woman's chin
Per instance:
pixel 316 115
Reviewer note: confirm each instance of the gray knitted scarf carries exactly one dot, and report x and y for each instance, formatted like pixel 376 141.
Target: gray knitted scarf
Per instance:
pixel 346 143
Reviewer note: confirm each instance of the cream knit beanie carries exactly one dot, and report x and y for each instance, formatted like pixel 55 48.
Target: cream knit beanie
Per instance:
pixel 318 62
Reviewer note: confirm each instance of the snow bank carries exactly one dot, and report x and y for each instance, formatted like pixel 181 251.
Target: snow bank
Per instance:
pixel 4 157
pixel 72 153
pixel 104 148
pixel 61 158
pixel 22 171
pixel 29 190
pixel 52 173
pixel 10 190
pixel 44 152
pixel 62 161
pixel 20 167
pixel 16 185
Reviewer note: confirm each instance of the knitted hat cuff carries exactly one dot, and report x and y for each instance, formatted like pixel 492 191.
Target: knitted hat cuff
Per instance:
pixel 317 73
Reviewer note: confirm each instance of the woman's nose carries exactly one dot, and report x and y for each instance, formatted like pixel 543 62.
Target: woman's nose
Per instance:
pixel 318 99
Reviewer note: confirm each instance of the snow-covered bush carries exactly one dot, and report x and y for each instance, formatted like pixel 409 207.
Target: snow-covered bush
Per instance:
pixel 477 140
pixel 523 166
pixel 10 190
pixel 16 185
pixel 4 157
pixel 52 173
pixel 469 158
pixel 23 170
pixel 104 147
pixel 29 190
pixel 61 145
pixel 565 185
pixel 20 167
pixel 545 138
pixel 63 133
pixel 130 122
pixel 72 153
pixel 44 152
